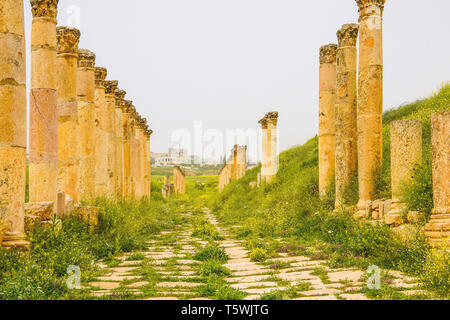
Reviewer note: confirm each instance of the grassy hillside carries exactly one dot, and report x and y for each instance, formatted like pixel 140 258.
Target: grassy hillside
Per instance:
pixel 290 207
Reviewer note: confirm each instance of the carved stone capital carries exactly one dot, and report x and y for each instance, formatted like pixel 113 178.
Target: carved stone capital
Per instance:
pixel 128 107
pixel 120 95
pixel 111 86
pixel 44 8
pixel 86 59
pixel 328 53
pixel 68 39
pixel 270 117
pixel 348 35
pixel 100 76
pixel 370 7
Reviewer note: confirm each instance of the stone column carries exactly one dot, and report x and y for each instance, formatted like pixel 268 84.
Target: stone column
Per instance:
pixel 133 150
pixel 13 113
pixel 67 62
pixel 120 139
pixel 101 133
pixel 112 190
pixel 148 170
pixel 241 161
pixel 126 123
pixel 234 162
pixel 406 154
pixel 370 98
pixel 43 153
pixel 179 180
pixel 86 123
pixel 327 100
pixel 139 161
pixel 346 141
pixel 270 146
pixel 438 229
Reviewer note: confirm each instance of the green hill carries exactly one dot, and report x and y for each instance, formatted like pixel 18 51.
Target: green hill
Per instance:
pixel 290 206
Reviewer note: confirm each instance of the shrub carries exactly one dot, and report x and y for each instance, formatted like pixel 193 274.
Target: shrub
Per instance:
pixel 212 252
pixel 213 267
pixel 258 255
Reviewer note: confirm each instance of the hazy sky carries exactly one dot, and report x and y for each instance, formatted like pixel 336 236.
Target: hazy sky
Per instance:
pixel 228 62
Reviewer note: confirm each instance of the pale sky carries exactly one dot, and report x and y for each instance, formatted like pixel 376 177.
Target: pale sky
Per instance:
pixel 228 62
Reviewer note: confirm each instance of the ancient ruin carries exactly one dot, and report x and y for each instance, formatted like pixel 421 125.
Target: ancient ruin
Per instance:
pixel 438 229
pixel 327 99
pixel 370 98
pixel 406 156
pixel 101 133
pixel 269 157
pixel 179 180
pixel 43 148
pixel 13 136
pixel 112 187
pixel 86 123
pixel 345 110
pixel 235 166
pixel 67 60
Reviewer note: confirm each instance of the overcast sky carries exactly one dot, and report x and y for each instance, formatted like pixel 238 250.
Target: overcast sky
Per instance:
pixel 228 62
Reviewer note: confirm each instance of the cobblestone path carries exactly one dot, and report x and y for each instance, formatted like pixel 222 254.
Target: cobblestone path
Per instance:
pixel 167 271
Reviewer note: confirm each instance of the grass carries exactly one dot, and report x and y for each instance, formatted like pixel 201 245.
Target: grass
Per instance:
pixel 290 208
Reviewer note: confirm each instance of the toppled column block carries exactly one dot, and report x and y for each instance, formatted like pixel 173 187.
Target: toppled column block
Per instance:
pixel 44 210
pixel 87 214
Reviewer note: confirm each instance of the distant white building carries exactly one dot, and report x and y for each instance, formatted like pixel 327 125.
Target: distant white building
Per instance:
pixel 173 157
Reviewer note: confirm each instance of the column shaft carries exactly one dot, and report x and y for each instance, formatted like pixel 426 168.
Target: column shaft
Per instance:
pixel 370 98
pixel 101 133
pixel 67 62
pixel 438 229
pixel 86 123
pixel 13 112
pixel 112 173
pixel 43 165
pixel 406 154
pixel 345 110
pixel 327 100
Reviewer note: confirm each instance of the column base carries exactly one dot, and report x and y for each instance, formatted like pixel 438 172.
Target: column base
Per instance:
pixel 16 241
pixel 438 230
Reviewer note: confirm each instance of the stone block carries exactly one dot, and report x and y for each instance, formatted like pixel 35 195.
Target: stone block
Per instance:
pixel 55 225
pixel 394 219
pixel 3 229
pixel 44 210
pixel 30 222
pixel 87 214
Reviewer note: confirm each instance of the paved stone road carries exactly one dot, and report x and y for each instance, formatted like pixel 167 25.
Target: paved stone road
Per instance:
pixel 167 272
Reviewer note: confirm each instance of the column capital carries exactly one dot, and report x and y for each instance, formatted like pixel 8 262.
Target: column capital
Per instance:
pixel 370 7
pixel 328 53
pixel 270 117
pixel 120 94
pixel 86 59
pixel 128 107
pixel 44 8
pixel 100 76
pixel 111 86
pixel 348 35
pixel 68 39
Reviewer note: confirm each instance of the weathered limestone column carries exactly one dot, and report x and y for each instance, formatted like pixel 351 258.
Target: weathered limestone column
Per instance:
pixel 43 153
pixel 133 150
pixel 13 113
pixel 120 139
pixel 148 169
pixel 241 161
pixel 406 154
pixel 327 100
pixel 370 98
pixel 270 146
pixel 346 141
pixel 139 158
pixel 86 123
pixel 67 62
pixel 222 178
pixel 112 190
pixel 126 122
pixel 101 133
pixel 438 229
pixel 179 180
pixel 234 162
